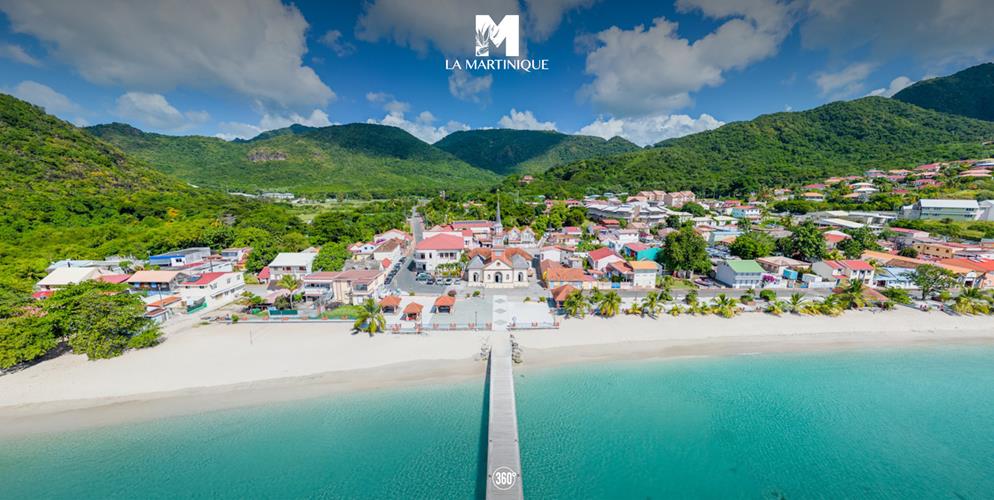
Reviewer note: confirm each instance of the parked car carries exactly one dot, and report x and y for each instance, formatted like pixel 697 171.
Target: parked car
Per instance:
pixel 422 277
pixel 447 281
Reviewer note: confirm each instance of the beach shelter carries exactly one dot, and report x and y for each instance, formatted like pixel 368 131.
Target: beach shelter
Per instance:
pixel 560 293
pixel 413 312
pixel 390 304
pixel 444 304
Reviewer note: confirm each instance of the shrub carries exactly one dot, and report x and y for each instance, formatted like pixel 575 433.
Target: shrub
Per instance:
pixel 768 295
pixel 148 338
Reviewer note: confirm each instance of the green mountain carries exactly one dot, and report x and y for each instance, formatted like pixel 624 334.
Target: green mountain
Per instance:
pixel 57 174
pixel 968 93
pixel 781 149
pixel 67 194
pixel 359 158
pixel 507 151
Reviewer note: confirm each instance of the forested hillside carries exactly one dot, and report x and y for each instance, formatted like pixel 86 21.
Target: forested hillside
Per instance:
pixel 781 149
pixel 357 159
pixel 968 93
pixel 507 151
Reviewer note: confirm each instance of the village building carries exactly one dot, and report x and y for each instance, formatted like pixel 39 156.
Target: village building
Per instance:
pixel 498 268
pixel 942 209
pixel 344 287
pixel 739 273
pixel 437 250
pixel 601 257
pixel 180 258
pixel 296 264
pixel 679 198
pixel 214 289
pixel 578 278
pixel 849 270
pixel 64 276
pixel 157 281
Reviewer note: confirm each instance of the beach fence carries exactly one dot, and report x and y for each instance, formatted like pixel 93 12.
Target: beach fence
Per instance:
pixel 395 327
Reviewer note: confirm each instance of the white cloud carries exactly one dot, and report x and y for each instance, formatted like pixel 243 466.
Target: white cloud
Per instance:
pixel 446 25
pixel 652 70
pixel 44 96
pixel 153 110
pixel 253 47
pixel 896 85
pixel 238 130
pixel 423 127
pixel 333 40
pixel 17 53
pixel 650 129
pixel 467 87
pixel 524 120
pixel 845 82
pixel 938 33
pixel 543 16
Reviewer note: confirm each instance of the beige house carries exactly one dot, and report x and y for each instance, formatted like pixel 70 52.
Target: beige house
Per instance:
pixel 347 287
pixel 62 277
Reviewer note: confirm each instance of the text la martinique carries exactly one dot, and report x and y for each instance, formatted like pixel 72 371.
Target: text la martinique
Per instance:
pixel 526 65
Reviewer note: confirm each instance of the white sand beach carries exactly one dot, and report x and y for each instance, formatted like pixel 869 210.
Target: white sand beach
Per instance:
pixel 216 366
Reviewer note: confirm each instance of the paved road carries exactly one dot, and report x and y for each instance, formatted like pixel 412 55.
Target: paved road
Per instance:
pixel 417 226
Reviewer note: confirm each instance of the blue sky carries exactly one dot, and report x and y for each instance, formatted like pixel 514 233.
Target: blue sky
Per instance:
pixel 643 70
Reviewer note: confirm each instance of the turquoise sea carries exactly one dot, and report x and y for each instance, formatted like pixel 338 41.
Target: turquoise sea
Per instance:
pixel 882 424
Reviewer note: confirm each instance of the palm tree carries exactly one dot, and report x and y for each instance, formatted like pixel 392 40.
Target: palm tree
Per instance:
pixel 249 299
pixel 692 303
pixel 652 304
pixel 852 295
pixel 971 301
pixel 830 306
pixel 370 318
pixel 289 282
pixel 635 309
pixel 776 307
pixel 725 306
pixel 796 299
pixel 676 310
pixel 576 304
pixel 809 308
pixel 609 304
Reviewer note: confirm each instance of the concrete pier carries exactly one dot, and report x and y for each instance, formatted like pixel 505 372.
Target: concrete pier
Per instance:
pixel 503 454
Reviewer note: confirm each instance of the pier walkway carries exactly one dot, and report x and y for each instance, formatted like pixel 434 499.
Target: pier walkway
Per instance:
pixel 503 455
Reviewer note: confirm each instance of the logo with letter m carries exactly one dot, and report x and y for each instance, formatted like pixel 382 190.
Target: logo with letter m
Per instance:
pixel 488 32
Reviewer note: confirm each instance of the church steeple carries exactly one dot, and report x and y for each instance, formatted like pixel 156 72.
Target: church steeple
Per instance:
pixel 498 236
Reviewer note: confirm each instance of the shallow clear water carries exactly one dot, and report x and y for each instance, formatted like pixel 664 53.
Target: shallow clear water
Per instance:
pixel 884 424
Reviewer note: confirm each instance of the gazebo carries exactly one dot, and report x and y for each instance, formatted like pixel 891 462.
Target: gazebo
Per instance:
pixel 559 294
pixel 390 304
pixel 413 312
pixel 444 304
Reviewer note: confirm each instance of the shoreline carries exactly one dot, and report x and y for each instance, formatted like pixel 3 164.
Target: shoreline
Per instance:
pixel 396 362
